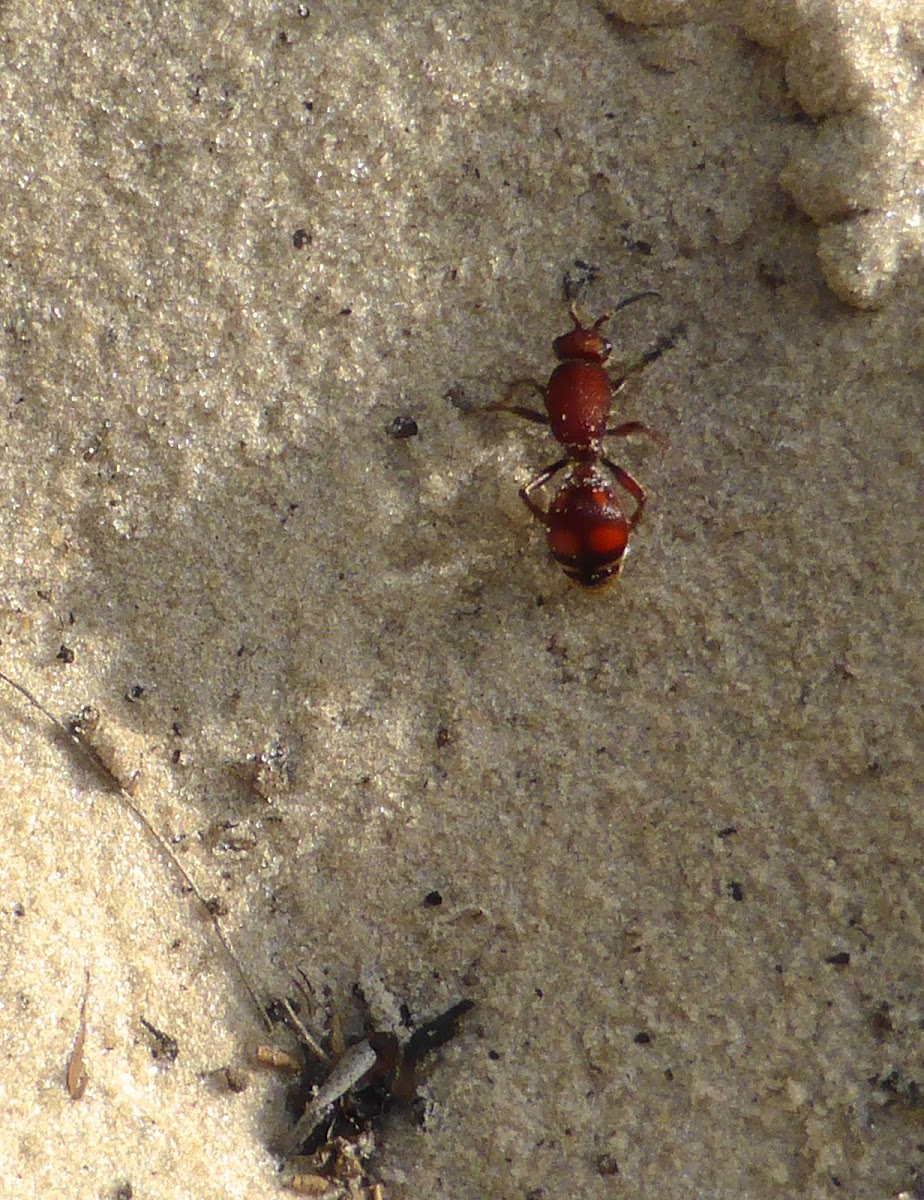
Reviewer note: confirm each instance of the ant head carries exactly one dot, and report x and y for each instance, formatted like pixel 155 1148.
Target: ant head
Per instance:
pixel 585 342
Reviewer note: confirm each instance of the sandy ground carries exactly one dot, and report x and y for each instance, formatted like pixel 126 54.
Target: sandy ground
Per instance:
pixel 675 828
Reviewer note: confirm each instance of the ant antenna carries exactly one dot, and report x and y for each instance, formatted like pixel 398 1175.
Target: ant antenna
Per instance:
pixel 624 304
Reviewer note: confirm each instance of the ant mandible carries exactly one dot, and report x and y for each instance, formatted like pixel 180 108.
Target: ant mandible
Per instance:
pixel 588 532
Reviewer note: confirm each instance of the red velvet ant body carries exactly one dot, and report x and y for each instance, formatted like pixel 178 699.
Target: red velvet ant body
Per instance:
pixel 588 532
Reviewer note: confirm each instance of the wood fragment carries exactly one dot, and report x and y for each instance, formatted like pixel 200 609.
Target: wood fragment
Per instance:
pixel 302 1031
pixel 314 1185
pixel 276 1059
pixel 76 1075
pixel 348 1071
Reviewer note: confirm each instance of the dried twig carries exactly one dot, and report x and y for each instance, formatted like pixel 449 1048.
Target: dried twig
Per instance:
pixel 128 803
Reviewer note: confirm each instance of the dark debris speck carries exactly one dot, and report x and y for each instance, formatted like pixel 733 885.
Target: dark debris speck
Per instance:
pixel 402 427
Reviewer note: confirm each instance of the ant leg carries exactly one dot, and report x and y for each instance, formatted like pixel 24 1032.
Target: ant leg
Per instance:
pixel 665 342
pixel 528 382
pixel 633 427
pixel 536 482
pixel 636 368
pixel 519 410
pixel 633 487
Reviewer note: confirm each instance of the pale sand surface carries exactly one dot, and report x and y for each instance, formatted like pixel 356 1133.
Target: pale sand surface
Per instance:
pixel 656 815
